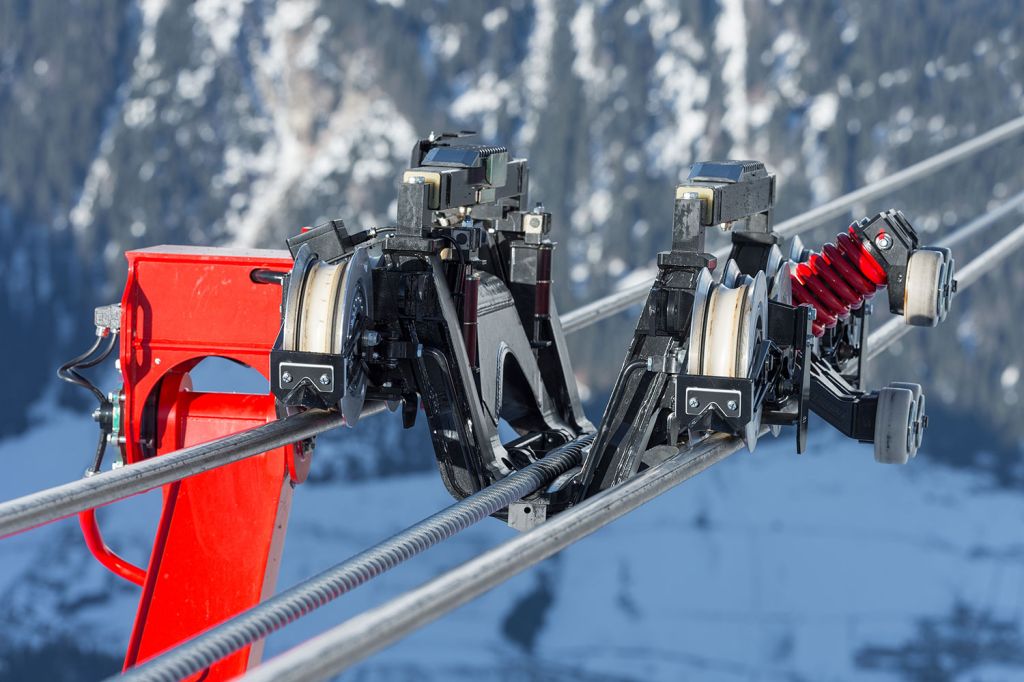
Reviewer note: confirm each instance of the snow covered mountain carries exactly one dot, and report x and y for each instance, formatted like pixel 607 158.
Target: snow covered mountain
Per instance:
pixel 137 122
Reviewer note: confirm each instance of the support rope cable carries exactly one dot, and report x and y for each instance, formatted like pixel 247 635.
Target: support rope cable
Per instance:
pixel 359 637
pixel 609 305
pixel 55 503
pixel 65 500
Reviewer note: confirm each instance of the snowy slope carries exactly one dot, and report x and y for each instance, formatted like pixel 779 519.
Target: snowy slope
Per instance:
pixel 825 566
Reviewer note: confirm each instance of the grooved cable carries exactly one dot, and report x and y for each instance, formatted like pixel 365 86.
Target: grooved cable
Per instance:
pixel 370 631
pixel 363 635
pixel 299 600
pixel 606 306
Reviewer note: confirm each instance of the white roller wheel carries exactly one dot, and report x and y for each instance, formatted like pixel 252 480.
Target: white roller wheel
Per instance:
pixel 320 301
pixel 730 273
pixel 321 318
pixel 781 288
pixel 734 321
pixel 702 291
pixel 797 252
pixel 896 415
pixel 775 261
pixel 921 419
pixel 948 282
pixel 928 287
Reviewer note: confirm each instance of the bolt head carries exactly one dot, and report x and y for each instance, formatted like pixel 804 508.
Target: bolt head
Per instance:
pixel 883 241
pixel 731 405
pixel 286 378
pixel 693 403
pixel 324 379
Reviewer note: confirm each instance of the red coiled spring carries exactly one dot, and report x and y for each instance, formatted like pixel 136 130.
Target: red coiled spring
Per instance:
pixel 837 280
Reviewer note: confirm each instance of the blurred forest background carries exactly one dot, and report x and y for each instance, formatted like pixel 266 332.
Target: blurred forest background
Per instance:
pixel 131 123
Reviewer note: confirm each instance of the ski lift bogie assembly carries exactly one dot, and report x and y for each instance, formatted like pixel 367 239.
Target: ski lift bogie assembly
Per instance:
pixel 451 311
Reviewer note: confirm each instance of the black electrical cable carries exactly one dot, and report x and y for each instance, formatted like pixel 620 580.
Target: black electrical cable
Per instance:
pixel 111 344
pixel 101 449
pixel 69 372
pixel 461 279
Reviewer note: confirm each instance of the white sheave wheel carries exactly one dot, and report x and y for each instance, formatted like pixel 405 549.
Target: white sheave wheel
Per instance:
pixel 898 423
pixel 929 287
pixel 323 313
pixel 919 409
pixel 734 323
pixel 728 324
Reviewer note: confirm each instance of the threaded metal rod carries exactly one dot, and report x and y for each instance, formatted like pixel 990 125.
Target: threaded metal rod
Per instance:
pixel 278 611
pixel 369 632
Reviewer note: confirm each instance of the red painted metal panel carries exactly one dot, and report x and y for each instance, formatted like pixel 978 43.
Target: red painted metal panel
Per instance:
pixel 183 304
pixel 219 541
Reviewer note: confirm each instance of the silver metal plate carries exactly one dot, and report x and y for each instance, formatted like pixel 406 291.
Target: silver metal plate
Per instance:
pixel 295 372
pixel 698 400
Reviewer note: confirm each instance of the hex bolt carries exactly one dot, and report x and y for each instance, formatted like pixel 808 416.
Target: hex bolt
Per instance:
pixel 286 378
pixel 883 241
pixel 693 403
pixel 371 337
pixel 324 379
pixel 731 405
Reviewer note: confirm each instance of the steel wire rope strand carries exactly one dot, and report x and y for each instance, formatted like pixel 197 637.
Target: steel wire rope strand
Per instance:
pixel 273 614
pixel 359 637
pixel 609 305
pixel 363 635
pixel 222 640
